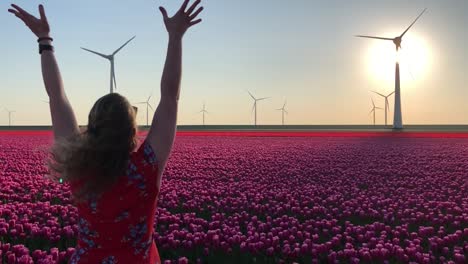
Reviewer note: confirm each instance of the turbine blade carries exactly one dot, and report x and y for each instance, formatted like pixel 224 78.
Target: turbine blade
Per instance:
pixel 149 98
pixel 97 53
pixel 286 112
pixel 372 37
pixel 263 98
pixel 378 93
pixel 150 106
pixel 115 52
pixel 251 95
pixel 253 107
pixel 142 103
pixel 284 104
pixel 373 102
pixel 390 94
pixel 388 105
pixel 413 22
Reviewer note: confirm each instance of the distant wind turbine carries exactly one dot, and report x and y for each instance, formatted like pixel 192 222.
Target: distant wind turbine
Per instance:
pixel 373 109
pixel 283 111
pixel 203 111
pixel 148 105
pixel 110 57
pixel 255 105
pixel 387 105
pixel 9 115
pixel 397 117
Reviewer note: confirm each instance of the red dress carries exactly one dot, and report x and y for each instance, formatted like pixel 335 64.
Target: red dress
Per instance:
pixel 119 227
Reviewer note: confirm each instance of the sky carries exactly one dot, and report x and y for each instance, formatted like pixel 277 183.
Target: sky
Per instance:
pixel 301 51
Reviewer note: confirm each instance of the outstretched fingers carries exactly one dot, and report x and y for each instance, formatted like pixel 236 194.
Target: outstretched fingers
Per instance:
pixel 38 25
pixel 194 5
pixel 195 22
pixel 184 18
pixel 17 14
pixel 21 11
pixel 21 14
pixel 194 15
pixel 14 12
pixel 163 12
pixel 42 13
pixel 184 6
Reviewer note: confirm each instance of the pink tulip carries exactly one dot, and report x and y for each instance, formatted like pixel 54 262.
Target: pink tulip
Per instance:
pixel 183 260
pixel 11 259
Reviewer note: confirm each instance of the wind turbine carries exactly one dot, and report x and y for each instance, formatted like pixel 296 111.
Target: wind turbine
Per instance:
pixel 110 57
pixel 255 105
pixel 203 111
pixel 9 115
pixel 148 105
pixel 283 111
pixel 387 105
pixel 397 117
pixel 373 109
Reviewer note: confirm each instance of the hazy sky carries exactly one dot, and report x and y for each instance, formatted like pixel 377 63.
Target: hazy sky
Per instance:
pixel 300 50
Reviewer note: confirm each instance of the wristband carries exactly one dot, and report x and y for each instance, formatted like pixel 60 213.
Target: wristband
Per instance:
pixel 44 38
pixel 43 47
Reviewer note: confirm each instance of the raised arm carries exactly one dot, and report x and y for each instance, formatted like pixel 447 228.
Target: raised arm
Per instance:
pixel 63 119
pixel 163 128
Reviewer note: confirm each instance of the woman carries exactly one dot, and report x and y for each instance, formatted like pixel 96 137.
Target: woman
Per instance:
pixel 114 188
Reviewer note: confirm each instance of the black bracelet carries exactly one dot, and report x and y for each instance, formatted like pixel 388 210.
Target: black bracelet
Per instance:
pixel 44 38
pixel 43 47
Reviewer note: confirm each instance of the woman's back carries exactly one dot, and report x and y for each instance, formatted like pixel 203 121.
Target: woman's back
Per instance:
pixel 118 228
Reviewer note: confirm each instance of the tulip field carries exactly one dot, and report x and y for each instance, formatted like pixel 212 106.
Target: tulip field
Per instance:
pixel 262 199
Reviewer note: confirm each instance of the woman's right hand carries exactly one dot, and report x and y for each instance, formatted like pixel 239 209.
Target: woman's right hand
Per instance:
pixel 39 26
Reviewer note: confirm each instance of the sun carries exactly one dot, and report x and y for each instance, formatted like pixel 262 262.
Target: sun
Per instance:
pixel 414 58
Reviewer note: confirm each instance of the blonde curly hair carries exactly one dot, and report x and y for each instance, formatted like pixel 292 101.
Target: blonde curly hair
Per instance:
pixel 98 156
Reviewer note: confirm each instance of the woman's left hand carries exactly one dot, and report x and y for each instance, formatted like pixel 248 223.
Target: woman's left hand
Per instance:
pixel 178 24
pixel 39 26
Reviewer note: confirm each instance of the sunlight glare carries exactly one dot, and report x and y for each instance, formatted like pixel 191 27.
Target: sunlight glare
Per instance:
pixel 414 58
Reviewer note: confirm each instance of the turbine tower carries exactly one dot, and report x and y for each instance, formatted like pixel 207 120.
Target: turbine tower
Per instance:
pixel 387 105
pixel 397 117
pixel 255 105
pixel 113 82
pixel 9 115
pixel 373 109
pixel 148 105
pixel 203 111
pixel 283 111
